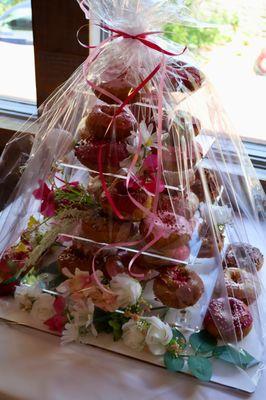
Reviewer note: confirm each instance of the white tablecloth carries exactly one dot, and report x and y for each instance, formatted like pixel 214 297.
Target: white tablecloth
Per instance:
pixel 34 366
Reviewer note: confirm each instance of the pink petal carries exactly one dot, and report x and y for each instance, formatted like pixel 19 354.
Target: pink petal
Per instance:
pixel 151 163
pixel 48 206
pixel 42 192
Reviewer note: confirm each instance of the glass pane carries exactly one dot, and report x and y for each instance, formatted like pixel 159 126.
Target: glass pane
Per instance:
pixel 234 57
pixel 17 69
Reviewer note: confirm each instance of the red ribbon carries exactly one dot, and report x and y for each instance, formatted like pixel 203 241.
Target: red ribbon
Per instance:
pixel 141 37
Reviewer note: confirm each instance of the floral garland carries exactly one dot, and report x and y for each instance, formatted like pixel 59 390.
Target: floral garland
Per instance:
pixel 81 309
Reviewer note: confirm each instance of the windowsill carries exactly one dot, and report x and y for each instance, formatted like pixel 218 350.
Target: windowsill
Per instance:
pixel 17 108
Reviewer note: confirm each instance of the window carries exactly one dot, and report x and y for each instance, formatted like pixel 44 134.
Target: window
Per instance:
pixel 17 78
pixel 233 54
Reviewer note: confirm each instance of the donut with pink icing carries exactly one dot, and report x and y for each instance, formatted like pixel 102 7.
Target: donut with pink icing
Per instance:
pixel 220 325
pixel 178 287
pixel 184 204
pixel 169 229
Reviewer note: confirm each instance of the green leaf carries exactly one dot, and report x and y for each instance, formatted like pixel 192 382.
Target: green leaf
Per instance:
pixel 117 329
pixel 200 367
pixel 101 320
pixel 230 354
pixel 179 338
pixel 173 363
pixel 202 342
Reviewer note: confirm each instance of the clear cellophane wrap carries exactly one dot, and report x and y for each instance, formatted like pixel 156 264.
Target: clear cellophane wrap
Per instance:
pixel 134 161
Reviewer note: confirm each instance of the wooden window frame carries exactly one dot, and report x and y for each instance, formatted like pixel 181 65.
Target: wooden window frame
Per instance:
pixel 57 54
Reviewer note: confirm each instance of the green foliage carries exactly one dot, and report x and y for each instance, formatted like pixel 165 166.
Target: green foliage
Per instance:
pixel 109 322
pixel 179 338
pixel 196 37
pixel 241 358
pixel 200 367
pixel 173 363
pixel 194 355
pixel 6 4
pixel 202 342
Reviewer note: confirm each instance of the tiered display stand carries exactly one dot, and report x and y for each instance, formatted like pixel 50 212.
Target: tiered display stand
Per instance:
pixel 189 320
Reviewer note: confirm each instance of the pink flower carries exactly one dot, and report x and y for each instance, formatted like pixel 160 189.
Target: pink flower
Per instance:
pixel 107 301
pixel 82 285
pixel 150 163
pixel 75 283
pixel 150 185
pixel 47 198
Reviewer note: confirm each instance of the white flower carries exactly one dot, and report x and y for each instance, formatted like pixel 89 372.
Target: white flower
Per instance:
pixel 148 139
pixel 133 336
pixel 83 311
pixel 25 296
pixel 221 214
pixel 127 289
pixel 158 335
pixel 42 308
pixel 70 333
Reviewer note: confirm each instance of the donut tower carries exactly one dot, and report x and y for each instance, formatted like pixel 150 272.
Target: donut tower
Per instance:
pixel 106 144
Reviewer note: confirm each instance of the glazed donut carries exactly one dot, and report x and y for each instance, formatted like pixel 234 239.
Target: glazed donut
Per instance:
pixel 71 259
pixel 102 124
pixel 103 229
pixel 241 284
pixel 119 86
pixel 184 204
pixel 173 230
pixel 243 255
pixel 208 245
pixel 124 204
pixel 95 188
pixel 180 253
pixel 217 320
pixel 174 158
pixel 184 76
pixel 87 152
pixel 185 125
pixel 119 263
pixel 178 287
pixel 212 185
pixel 182 179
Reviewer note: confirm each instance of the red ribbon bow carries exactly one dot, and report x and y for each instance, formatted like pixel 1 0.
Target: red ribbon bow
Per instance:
pixel 142 38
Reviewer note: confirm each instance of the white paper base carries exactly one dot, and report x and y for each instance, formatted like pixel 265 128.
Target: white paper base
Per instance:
pixel 223 373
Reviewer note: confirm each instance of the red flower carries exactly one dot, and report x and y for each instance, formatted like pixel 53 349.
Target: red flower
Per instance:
pixel 58 321
pixel 47 198
pixel 59 305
